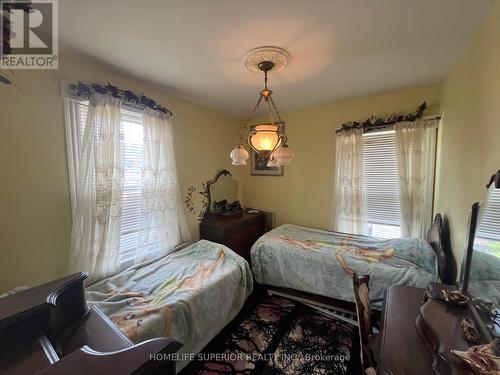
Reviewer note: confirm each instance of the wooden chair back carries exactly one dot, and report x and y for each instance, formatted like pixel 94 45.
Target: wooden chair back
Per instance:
pixel 363 311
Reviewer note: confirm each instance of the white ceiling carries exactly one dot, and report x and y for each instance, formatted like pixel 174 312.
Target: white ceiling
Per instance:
pixel 339 48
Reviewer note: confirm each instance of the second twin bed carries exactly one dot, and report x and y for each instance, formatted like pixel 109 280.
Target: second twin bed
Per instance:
pixel 323 262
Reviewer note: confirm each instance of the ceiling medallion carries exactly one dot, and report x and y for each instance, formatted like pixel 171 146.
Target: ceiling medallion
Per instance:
pixel 278 56
pixel 268 140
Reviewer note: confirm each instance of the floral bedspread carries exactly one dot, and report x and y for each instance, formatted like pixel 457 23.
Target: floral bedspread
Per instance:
pixel 190 295
pixel 322 262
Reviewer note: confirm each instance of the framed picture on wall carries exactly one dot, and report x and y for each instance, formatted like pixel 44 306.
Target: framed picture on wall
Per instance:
pixel 258 165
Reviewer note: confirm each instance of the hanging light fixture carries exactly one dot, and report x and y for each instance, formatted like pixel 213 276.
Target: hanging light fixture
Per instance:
pixel 268 140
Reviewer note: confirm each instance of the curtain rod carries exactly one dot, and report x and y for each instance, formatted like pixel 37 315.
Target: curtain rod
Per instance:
pixel 138 101
pixel 375 123
pixel 391 125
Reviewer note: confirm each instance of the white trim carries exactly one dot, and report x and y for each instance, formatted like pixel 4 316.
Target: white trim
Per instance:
pixel 430 145
pixel 72 146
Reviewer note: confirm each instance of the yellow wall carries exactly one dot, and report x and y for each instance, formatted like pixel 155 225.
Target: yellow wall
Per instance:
pixel 35 222
pixel 35 219
pixel 304 195
pixel 469 151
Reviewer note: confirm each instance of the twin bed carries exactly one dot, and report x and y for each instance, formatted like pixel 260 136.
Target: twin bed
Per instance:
pixel 189 295
pixel 322 262
pixel 192 293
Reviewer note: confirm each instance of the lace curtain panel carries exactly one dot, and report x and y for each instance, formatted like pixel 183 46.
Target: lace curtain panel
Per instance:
pixel 349 208
pixel 98 173
pixel 163 223
pixel 98 189
pixel 415 148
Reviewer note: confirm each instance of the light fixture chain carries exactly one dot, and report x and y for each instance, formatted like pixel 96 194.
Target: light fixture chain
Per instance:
pixel 275 109
pixel 253 110
pixel 273 115
pixel 270 112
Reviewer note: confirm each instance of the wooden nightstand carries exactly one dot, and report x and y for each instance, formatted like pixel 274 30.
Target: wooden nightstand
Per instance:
pixel 238 232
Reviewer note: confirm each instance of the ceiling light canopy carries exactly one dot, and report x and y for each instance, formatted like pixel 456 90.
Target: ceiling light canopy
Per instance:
pixel 268 140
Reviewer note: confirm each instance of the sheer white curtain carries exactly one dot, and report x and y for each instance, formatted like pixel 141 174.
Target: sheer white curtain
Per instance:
pixel 98 189
pixel 119 175
pixel 415 148
pixel 163 222
pixel 349 207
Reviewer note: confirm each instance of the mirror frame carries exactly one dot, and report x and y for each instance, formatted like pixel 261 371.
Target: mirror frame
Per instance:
pixel 466 264
pixel 224 172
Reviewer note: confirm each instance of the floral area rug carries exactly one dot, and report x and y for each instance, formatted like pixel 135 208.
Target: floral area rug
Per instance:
pixel 281 336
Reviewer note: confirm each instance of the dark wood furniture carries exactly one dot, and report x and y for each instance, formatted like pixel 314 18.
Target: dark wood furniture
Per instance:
pixel 50 330
pixel 438 237
pixel 401 350
pixel 364 315
pixel 238 232
pixel 418 333
pixel 473 224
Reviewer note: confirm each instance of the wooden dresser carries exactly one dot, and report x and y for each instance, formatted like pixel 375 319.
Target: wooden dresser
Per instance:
pixel 238 232
pixel 417 336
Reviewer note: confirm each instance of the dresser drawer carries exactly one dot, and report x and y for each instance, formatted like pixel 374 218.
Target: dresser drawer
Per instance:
pixel 238 232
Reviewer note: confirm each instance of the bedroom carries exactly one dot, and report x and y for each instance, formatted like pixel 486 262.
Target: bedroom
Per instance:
pixel 341 63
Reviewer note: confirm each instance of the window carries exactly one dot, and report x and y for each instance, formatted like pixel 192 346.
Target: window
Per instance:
pixel 487 236
pixel 385 179
pixel 380 172
pixel 132 148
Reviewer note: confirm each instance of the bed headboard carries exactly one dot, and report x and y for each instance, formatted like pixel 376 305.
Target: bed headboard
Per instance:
pixel 439 239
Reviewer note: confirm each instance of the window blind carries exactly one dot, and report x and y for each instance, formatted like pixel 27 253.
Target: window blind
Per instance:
pixel 488 228
pixel 381 180
pixel 131 129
